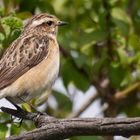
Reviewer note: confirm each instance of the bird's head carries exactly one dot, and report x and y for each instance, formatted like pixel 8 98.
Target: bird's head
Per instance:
pixel 44 23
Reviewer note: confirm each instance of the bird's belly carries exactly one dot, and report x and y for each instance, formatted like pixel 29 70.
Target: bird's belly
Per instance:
pixel 37 80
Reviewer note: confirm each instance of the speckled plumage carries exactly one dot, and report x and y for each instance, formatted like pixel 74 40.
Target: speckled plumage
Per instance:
pixel 31 64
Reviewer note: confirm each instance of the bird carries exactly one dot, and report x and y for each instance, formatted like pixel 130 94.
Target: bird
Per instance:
pixel 30 65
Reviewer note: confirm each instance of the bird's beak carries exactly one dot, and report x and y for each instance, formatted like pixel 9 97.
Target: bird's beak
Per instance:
pixel 61 23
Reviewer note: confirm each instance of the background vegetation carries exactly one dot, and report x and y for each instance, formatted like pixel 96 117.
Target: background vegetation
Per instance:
pixel 100 47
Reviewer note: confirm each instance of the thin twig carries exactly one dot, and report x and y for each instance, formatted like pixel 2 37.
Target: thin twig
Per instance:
pixel 124 93
pixel 84 106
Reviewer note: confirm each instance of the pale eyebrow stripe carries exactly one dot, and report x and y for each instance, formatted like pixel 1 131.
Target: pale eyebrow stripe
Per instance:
pixel 35 23
pixel 37 17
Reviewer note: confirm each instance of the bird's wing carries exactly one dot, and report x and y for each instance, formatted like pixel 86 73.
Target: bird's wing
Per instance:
pixel 22 55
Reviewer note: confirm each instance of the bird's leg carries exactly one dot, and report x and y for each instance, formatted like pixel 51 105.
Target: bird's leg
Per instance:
pixel 15 105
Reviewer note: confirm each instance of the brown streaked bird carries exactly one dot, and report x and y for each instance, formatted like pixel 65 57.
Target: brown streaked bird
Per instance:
pixel 30 65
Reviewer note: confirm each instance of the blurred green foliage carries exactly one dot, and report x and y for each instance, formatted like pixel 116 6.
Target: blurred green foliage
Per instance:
pixel 101 43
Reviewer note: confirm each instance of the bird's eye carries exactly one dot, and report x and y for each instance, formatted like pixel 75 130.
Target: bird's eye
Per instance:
pixel 49 23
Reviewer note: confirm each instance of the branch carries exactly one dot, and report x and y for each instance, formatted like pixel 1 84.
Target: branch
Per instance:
pixel 65 128
pixel 84 106
pixel 127 91
pixel 130 7
pixel 50 128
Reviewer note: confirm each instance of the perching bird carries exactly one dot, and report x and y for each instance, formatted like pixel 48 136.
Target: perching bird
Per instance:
pixel 30 65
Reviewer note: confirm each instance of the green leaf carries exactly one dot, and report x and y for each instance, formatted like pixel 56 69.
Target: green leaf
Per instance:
pixel 70 74
pixel 13 35
pixel 116 74
pixel 14 129
pixel 3 131
pixel 1 38
pixel 131 107
pixel 28 5
pixel 121 19
pixel 127 78
pixel 99 64
pixel 24 15
pixel 122 25
pixel 12 22
pixel 80 60
pixel 120 14
pixel 4 116
pixel 26 107
pixel 1 11
pixel 11 29
pixel 134 42
pixel 96 35
pixel 46 6
pixel 64 103
pixel 27 125
pixel 2 29
pixel 123 56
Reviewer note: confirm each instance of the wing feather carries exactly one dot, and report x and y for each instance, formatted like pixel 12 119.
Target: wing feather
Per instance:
pixel 21 56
